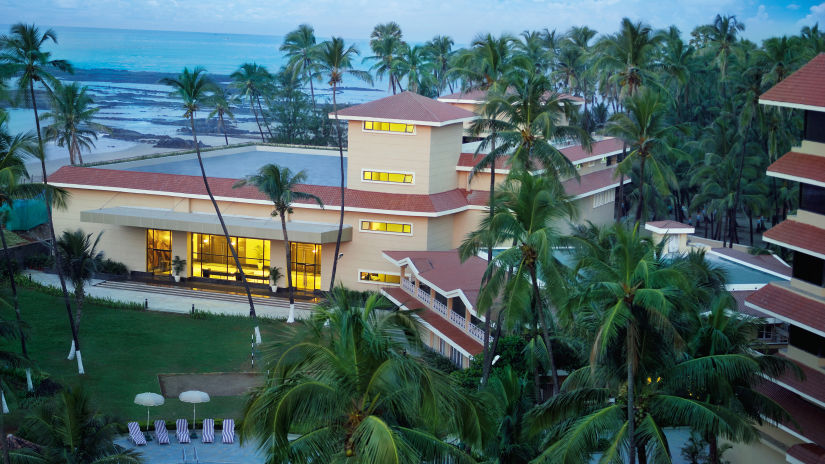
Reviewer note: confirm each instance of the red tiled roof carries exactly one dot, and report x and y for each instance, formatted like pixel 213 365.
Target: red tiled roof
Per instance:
pixel 798 235
pixel 668 225
pixel 222 187
pixel 807 453
pixel 808 417
pixel 477 96
pixel 407 106
pixel 813 384
pixel 806 86
pixel 769 262
pixel 600 148
pixel 436 321
pixel 592 182
pixel 740 297
pixel 470 160
pixel 791 306
pixel 445 270
pixel 800 165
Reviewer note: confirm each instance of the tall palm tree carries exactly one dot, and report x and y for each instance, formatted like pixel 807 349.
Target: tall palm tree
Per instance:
pixel 250 80
pixel 629 53
pixel 334 62
pixel 300 47
pixel 412 63
pixel 22 54
pixel 721 36
pixel 280 185
pixel 643 128
pixel 81 258
pixel 219 102
pixel 350 384
pixel 386 43
pixel 192 88
pixel 439 52
pixel 71 116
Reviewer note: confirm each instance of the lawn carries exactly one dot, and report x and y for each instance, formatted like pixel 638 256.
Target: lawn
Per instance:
pixel 124 350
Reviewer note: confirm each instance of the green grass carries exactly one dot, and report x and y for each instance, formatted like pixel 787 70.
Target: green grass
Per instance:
pixel 124 350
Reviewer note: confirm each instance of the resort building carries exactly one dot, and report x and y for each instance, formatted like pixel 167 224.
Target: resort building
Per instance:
pixel 799 303
pixel 407 188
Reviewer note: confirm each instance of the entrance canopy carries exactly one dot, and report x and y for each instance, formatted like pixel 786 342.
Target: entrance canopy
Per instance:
pixel 241 226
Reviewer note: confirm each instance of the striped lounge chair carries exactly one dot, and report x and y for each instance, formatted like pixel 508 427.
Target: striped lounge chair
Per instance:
pixel 182 430
pixel 228 431
pixel 208 431
pixel 161 435
pixel 135 434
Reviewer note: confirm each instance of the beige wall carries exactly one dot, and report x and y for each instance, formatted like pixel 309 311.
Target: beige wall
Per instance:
pixel 440 233
pixel 445 148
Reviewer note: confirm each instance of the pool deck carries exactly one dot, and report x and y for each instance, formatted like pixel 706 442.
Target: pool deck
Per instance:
pixel 214 453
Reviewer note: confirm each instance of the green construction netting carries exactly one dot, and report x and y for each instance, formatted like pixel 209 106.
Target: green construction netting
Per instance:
pixel 25 215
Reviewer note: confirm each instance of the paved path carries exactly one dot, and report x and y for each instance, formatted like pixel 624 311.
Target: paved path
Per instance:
pixel 180 300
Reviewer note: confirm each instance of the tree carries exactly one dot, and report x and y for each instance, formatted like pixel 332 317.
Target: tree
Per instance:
pixel 80 263
pixel 334 62
pixel 280 185
pixel 69 430
pixel 721 36
pixel 192 88
pixel 300 47
pixel 412 63
pixel 250 80
pixel 292 111
pixel 351 384
pixel 386 42
pixel 219 102
pixel 439 52
pixel 22 55
pixel 72 120
pixel 629 54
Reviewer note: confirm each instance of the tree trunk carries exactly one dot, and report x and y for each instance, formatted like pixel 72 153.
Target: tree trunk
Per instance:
pixel 545 329
pixel 77 149
pixel 4 442
pixel 263 116
pixel 57 258
pixel 14 298
pixel 255 112
pixel 220 218
pixel 750 226
pixel 713 449
pixel 291 317
pixel 223 126
pixel 343 186
pixel 640 210
pixel 631 410
pixel 619 204
pixel 311 91
pixel 488 356
pixel 79 295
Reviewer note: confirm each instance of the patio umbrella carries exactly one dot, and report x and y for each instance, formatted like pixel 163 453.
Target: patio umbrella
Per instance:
pixel 148 399
pixel 194 397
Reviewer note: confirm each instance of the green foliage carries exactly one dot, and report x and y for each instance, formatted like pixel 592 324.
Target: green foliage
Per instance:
pixel 108 266
pixel 38 261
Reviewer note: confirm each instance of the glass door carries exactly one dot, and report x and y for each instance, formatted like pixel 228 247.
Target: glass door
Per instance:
pixel 306 266
pixel 158 251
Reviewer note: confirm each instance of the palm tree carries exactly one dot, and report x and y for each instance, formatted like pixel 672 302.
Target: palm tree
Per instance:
pixel 280 185
pixel 219 102
pixel 643 128
pixel 335 61
pixel 299 46
pixel 250 80
pixel 721 36
pixel 69 430
pixel 412 63
pixel 529 210
pixel 439 52
pixel 71 115
pixel 629 54
pixel 386 42
pixel 81 258
pixel 350 383
pixel 507 397
pixel 192 87
pixel 22 55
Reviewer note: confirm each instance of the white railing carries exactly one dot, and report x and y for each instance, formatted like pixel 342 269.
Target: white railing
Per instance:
pixel 408 285
pixel 458 320
pixel 477 333
pixel 424 296
pixel 439 307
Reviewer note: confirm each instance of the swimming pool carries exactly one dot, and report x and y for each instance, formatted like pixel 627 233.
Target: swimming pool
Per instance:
pixel 320 169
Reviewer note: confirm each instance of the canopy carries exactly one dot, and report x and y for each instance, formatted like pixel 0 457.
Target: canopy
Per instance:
pixel 194 396
pixel 149 399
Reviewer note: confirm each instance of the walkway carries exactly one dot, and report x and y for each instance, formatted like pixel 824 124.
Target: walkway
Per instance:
pixel 180 300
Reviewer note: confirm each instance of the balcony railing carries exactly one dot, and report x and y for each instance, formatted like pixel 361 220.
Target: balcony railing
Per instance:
pixel 439 307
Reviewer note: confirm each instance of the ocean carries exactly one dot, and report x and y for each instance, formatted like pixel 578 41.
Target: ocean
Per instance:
pixel 122 67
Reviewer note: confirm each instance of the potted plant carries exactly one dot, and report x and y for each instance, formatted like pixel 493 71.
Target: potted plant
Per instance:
pixel 274 276
pixel 178 265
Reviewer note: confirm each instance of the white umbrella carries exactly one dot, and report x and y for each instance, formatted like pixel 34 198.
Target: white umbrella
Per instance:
pixel 148 399
pixel 194 397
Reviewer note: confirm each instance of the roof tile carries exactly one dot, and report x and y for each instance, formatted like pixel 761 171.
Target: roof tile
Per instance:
pixel 799 235
pixel 804 166
pixel 407 106
pixel 806 86
pixel 789 305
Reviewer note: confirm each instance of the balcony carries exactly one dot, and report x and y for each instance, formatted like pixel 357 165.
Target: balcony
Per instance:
pixel 440 308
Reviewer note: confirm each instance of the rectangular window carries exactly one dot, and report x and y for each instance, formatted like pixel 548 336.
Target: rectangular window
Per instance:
pixel 158 251
pixel 815 126
pixel 392 177
pixel 603 198
pixel 397 127
pixel 812 198
pixel 386 227
pixel 212 258
pixel 378 278
pixel 809 268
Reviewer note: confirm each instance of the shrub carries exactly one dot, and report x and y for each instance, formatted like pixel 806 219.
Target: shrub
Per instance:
pixel 108 266
pixel 4 268
pixel 39 261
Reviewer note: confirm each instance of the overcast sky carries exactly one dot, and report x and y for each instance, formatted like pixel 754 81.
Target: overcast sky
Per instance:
pixel 419 19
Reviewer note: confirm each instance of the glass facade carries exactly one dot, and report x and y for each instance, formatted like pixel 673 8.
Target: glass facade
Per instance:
pixel 391 227
pixel 159 251
pixel 379 126
pixel 211 258
pixel 391 177
pixel 376 277
pixel 306 266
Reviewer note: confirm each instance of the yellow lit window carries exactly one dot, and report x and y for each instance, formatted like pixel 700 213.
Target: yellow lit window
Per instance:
pixel 392 227
pixel 378 277
pixel 394 177
pixel 389 127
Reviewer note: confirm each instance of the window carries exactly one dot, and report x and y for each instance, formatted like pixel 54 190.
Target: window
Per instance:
pixel 380 126
pixel 603 198
pixel 812 198
pixel 815 126
pixel 378 278
pixel 809 269
pixel 211 258
pixel 386 227
pixel 158 251
pixel 392 177
pixel 455 357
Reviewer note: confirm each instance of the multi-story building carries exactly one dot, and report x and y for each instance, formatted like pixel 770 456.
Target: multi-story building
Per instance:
pixel 800 303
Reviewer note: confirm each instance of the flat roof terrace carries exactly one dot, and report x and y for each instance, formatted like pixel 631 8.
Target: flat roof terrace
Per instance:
pixel 322 167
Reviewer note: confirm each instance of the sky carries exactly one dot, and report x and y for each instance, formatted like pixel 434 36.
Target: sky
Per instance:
pixel 419 19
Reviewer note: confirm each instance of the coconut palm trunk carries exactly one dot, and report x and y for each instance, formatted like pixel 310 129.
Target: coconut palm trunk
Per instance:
pixel 255 112
pixel 261 110
pixel 75 349
pixel 220 218
pixel 223 126
pixel 288 249
pixel 640 209
pixel 489 352
pixel 343 185
pixel 545 329
pixel 631 407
